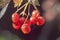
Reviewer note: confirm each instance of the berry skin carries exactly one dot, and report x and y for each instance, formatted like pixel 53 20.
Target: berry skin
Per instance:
pixel 33 20
pixel 15 17
pixel 40 21
pixel 35 13
pixel 25 28
pixel 17 25
pixel 22 19
pixel 28 22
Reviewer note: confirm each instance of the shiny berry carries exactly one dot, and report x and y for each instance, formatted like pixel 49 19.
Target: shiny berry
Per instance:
pixel 33 20
pixel 35 13
pixel 22 19
pixel 28 22
pixel 15 17
pixel 25 28
pixel 40 21
pixel 17 25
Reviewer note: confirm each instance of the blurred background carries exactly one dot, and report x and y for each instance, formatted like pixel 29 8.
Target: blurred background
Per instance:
pixel 50 9
pixel 3 3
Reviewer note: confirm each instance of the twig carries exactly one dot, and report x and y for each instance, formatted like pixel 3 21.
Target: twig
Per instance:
pixel 23 12
pixel 21 7
pixel 34 6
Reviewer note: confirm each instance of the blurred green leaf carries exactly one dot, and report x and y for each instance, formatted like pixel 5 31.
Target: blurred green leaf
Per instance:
pixel 35 2
pixel 2 38
pixel 6 35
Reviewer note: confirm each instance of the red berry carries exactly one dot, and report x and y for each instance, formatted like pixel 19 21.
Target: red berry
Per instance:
pixel 15 17
pixel 40 21
pixel 16 25
pixel 28 22
pixel 33 20
pixel 26 28
pixel 22 19
pixel 35 13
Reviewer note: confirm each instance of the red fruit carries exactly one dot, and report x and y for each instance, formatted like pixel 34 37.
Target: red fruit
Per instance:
pixel 35 13
pixel 22 19
pixel 33 20
pixel 16 25
pixel 40 21
pixel 26 28
pixel 28 22
pixel 15 17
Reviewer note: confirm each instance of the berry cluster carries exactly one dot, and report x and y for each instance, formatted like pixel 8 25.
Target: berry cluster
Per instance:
pixel 36 18
pixel 24 23
pixel 18 21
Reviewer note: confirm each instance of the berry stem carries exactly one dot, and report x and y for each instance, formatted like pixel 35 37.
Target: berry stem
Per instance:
pixel 25 6
pixel 34 6
pixel 28 14
pixel 23 12
pixel 21 7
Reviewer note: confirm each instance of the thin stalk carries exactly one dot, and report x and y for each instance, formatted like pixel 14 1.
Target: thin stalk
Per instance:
pixel 28 13
pixel 23 12
pixel 34 6
pixel 21 7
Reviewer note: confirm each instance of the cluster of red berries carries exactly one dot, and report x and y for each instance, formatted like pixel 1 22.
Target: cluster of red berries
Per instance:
pixel 18 21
